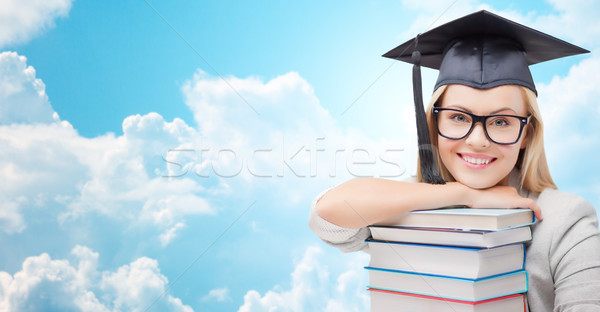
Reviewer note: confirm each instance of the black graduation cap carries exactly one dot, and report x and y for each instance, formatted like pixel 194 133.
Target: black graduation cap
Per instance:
pixel 481 50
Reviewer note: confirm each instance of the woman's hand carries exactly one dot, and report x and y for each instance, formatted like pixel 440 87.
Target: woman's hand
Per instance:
pixel 501 197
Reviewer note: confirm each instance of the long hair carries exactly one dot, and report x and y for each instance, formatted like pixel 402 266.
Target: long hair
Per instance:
pixel 532 164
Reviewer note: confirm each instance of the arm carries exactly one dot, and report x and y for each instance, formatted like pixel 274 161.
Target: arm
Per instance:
pixel 575 259
pixel 344 239
pixel 364 201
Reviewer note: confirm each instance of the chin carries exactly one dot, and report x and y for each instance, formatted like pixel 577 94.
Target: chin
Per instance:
pixel 477 182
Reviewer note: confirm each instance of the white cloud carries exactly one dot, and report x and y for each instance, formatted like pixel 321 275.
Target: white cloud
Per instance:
pixel 113 176
pixel 247 125
pixel 11 221
pixel 430 14
pixel 134 287
pixel 218 294
pixel 22 20
pixel 574 21
pixel 313 288
pixel 47 284
pixel 570 111
pixel 23 97
pixel 285 102
pixel 45 163
pixel 275 130
pixel 36 165
pixel 166 237
pixel 153 173
pixel 566 20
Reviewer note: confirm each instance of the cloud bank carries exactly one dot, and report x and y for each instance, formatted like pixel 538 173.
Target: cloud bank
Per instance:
pixel 137 178
pixel 23 97
pixel 46 163
pixel 22 20
pixel 59 285
pixel 314 289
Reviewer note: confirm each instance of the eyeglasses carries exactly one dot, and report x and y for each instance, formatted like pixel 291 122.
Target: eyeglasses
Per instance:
pixel 456 124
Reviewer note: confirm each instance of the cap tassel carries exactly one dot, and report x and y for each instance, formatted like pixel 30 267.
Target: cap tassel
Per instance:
pixel 429 170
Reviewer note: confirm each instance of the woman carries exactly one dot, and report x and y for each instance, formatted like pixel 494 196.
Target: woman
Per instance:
pixel 486 134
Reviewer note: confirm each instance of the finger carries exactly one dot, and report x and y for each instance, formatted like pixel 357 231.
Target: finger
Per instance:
pixel 536 210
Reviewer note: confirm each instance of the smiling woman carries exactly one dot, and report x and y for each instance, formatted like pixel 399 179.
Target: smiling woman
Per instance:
pixel 486 133
pixel 481 146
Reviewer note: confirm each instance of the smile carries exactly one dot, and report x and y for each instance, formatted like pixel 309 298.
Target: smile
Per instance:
pixel 477 161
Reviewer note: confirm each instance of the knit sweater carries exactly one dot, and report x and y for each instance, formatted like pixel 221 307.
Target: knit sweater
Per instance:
pixel 563 258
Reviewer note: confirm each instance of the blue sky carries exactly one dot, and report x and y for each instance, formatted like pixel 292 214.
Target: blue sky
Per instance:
pixel 162 156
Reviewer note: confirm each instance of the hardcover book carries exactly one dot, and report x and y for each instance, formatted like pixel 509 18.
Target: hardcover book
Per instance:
pixel 462 262
pixel 451 237
pixel 449 287
pixel 390 301
pixel 465 218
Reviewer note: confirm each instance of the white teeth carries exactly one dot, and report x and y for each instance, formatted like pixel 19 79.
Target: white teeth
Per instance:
pixel 476 161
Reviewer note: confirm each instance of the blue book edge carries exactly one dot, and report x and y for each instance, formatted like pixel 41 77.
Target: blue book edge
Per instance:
pixel 456 278
pixel 475 249
pixel 473 280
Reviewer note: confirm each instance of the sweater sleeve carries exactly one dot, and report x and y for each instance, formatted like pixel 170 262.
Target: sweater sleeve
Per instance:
pixel 575 259
pixel 346 240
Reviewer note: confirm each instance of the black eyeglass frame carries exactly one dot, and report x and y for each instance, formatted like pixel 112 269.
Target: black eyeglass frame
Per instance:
pixel 477 118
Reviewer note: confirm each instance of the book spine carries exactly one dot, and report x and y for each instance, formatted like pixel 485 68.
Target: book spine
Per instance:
pixel 445 299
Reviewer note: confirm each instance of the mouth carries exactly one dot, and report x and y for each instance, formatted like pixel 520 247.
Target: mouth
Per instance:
pixel 477 161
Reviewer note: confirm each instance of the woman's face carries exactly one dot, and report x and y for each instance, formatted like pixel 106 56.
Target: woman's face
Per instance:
pixel 474 160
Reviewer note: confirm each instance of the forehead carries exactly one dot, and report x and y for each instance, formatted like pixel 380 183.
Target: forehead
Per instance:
pixel 506 97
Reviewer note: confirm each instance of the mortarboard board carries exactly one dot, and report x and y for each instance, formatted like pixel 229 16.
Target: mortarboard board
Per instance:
pixel 481 50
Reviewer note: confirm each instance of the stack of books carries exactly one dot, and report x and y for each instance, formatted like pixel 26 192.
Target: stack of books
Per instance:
pixel 456 260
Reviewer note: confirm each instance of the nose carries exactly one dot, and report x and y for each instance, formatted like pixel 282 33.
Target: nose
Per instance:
pixel 477 137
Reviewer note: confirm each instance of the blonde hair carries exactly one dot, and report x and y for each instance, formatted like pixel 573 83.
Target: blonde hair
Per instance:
pixel 535 175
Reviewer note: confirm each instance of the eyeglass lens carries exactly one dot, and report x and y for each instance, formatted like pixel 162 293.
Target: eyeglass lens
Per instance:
pixel 500 129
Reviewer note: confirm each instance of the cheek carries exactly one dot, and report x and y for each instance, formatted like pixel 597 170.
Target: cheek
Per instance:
pixel 446 147
pixel 510 152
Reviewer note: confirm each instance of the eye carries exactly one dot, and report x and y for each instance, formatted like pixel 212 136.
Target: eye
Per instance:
pixel 500 122
pixel 459 117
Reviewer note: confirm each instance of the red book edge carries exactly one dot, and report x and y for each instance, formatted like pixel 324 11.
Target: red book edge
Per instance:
pixel 449 300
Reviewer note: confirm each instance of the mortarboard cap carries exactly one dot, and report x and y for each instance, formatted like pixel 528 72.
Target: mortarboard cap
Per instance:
pixel 481 50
